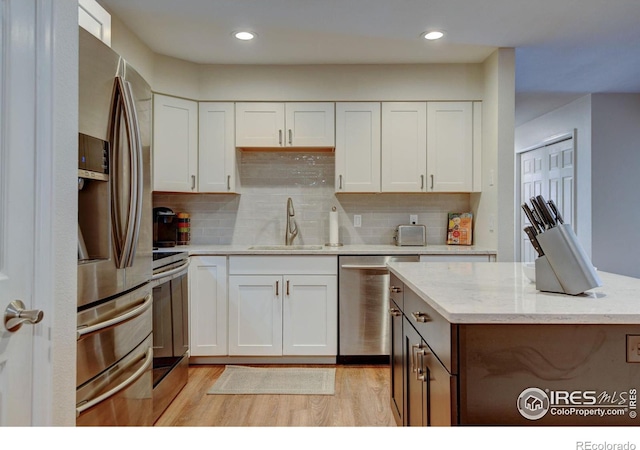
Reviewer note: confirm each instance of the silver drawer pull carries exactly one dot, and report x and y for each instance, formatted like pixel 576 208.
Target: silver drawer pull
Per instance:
pixel 395 289
pixel 420 317
pixel 395 312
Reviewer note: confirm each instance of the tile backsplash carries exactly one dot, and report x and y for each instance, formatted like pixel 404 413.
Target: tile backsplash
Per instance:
pixel 268 178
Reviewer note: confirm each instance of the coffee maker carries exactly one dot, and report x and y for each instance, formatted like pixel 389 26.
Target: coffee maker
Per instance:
pixel 165 227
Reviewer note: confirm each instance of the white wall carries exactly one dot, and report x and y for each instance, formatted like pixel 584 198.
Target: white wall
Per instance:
pixel 64 199
pixel 615 160
pixel 574 116
pixel 493 208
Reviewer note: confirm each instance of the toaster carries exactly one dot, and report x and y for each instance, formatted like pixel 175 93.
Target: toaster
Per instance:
pixel 407 235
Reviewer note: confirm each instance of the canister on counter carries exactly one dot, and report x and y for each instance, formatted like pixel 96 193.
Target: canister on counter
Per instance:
pixel 184 229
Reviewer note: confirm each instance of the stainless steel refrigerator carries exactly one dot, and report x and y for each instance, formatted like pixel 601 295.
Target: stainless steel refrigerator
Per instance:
pixel 114 360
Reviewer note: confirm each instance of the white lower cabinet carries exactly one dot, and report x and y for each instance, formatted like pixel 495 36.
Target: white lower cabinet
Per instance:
pixel 208 305
pixel 283 305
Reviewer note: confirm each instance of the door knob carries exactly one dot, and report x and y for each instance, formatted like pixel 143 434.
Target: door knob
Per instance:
pixel 16 314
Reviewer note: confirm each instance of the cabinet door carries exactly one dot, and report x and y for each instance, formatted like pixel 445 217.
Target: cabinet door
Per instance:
pixel 260 125
pixel 255 315
pixel 216 147
pixel 310 315
pixel 175 144
pixel 310 124
pixel 450 146
pixel 208 305
pixel 416 394
pixel 397 364
pixel 404 146
pixel 357 147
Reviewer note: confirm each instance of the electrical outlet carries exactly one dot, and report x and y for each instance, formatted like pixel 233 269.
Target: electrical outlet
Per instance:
pixel 357 220
pixel 413 219
pixel 633 348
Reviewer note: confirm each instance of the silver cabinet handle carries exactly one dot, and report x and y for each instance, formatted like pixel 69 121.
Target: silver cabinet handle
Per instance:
pixel 431 181
pixel 340 182
pixel 15 315
pixel 421 182
pixel 420 317
pixel 134 312
pixel 395 312
pixel 193 182
pixel 287 287
pixel 290 137
pixel 228 182
pixel 277 288
pixel 148 356
pixel 279 137
pixel 395 289
pixel 421 373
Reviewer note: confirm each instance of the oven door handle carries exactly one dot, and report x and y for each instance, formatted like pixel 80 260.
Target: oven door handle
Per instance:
pixel 169 273
pixel 365 266
pixel 148 356
pixel 148 301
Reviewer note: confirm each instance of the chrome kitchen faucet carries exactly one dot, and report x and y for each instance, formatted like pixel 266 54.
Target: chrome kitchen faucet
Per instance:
pixel 292 227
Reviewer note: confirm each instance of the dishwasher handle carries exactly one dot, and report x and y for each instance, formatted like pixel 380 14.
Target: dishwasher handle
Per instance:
pixel 365 266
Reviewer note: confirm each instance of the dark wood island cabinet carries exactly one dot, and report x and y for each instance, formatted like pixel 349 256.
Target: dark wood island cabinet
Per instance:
pixel 476 344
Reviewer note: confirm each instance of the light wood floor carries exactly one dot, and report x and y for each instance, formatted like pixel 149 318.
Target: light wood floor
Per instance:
pixel 361 399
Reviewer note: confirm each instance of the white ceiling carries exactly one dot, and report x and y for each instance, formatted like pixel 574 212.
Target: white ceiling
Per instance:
pixel 564 48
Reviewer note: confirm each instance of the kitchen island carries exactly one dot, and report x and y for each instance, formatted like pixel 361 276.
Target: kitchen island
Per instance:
pixel 476 343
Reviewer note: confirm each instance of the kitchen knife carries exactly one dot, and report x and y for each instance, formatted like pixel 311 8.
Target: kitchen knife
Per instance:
pixel 534 241
pixel 534 223
pixel 555 210
pixel 548 215
pixel 541 217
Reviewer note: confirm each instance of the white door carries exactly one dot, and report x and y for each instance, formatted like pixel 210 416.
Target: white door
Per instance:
pixel 208 305
pixel 175 144
pixel 255 315
pixel 404 146
pixel 357 147
pixel 450 146
pixel 309 124
pixel 548 170
pixel 216 147
pixel 260 125
pixel 20 132
pixel 310 315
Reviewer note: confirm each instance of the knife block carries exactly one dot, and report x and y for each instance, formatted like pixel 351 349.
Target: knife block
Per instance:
pixel 565 267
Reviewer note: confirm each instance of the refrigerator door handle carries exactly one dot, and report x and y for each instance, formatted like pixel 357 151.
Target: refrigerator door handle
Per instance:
pixel 148 360
pixel 121 115
pixel 137 171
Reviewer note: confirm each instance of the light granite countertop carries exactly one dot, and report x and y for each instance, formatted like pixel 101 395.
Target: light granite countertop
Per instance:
pixel 195 250
pixel 499 293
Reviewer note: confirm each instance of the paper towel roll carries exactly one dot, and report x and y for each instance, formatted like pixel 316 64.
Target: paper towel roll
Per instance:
pixel 333 228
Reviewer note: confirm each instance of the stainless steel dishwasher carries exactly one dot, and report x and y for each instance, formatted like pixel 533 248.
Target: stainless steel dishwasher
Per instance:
pixel 363 313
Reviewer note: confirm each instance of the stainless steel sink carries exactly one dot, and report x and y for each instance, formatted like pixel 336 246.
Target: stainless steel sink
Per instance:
pixel 286 247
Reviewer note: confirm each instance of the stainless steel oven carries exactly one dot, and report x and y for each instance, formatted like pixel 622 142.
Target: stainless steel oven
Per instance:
pixel 170 327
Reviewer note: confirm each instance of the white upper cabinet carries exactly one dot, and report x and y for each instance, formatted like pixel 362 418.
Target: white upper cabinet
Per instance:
pixel 216 149
pixel 295 124
pixel 450 147
pixel 357 147
pixel 175 144
pixel 404 146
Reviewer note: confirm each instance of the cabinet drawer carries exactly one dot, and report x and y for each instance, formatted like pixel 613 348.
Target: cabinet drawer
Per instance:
pixel 433 328
pixel 277 265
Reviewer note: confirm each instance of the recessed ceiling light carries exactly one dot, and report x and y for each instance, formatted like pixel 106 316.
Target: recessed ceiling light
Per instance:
pixel 244 35
pixel 433 35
